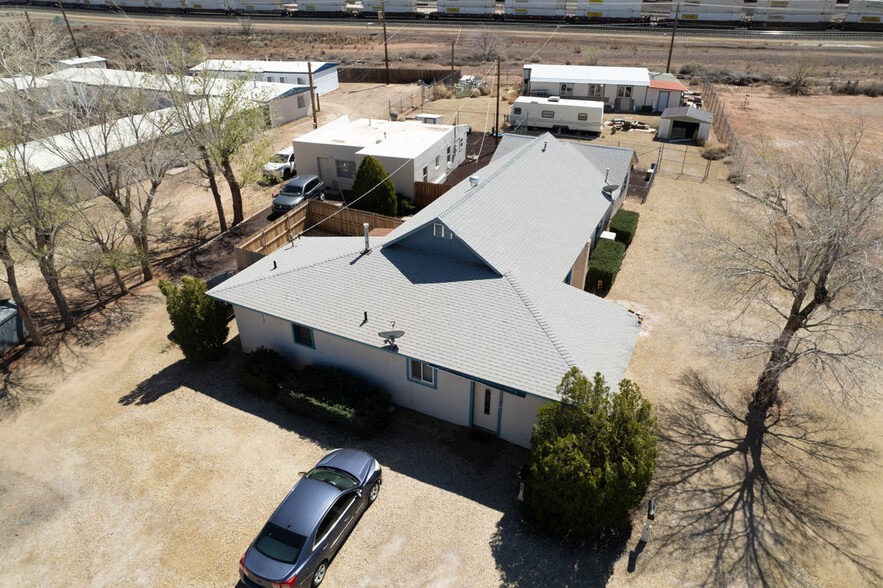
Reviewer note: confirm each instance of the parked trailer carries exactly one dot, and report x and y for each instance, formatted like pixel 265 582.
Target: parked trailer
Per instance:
pixel 555 113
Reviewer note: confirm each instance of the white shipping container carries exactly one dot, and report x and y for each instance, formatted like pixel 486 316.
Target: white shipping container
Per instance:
pixel 864 11
pixel 392 6
pixel 535 7
pixel 255 5
pixel 554 112
pixel 793 10
pixel 209 5
pixel 707 10
pixel 608 8
pixel 466 6
pixel 322 6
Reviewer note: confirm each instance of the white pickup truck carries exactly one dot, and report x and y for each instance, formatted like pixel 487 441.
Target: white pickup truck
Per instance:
pixel 281 166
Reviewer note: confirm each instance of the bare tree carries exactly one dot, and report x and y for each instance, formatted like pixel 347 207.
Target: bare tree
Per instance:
pixel 34 203
pixel 100 231
pixel 485 45
pixel 805 258
pixel 123 154
pixel 12 283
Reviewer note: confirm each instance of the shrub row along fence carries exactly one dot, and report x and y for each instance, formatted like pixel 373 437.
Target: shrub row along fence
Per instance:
pixel 723 130
pixel 347 222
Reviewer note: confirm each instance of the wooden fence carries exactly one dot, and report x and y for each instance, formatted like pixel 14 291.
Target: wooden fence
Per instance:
pixel 399 75
pixel 425 193
pixel 329 217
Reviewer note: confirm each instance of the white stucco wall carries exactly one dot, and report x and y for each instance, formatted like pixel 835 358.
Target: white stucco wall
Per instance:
pixel 519 416
pixel 286 109
pixel 450 400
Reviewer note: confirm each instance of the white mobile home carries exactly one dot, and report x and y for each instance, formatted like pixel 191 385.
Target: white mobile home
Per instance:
pixel 283 72
pixel 620 88
pixel 556 113
pixel 409 151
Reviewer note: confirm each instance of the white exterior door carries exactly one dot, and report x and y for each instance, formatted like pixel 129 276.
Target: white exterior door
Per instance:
pixel 485 407
pixel 662 102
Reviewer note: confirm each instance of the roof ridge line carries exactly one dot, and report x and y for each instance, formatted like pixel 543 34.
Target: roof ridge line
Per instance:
pixel 289 270
pixel 534 311
pixel 473 191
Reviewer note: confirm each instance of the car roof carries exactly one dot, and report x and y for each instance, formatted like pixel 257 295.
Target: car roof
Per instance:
pixel 352 461
pixel 305 506
pixel 287 151
pixel 301 180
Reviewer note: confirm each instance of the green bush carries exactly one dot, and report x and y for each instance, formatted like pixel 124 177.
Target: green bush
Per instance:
pixel 624 223
pixel 604 264
pixel 263 372
pixel 200 322
pixel 593 456
pixel 405 206
pixel 337 397
pixel 381 199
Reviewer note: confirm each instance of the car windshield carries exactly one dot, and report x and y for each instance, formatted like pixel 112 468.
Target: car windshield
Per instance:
pixel 279 158
pixel 291 190
pixel 279 544
pixel 337 478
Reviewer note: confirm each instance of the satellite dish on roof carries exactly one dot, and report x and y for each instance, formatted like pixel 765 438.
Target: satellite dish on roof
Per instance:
pixel 610 188
pixel 389 337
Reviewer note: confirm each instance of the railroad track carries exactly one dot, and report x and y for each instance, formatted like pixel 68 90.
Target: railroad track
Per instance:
pixel 94 16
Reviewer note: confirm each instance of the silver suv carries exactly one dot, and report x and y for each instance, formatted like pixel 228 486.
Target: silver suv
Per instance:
pixel 298 190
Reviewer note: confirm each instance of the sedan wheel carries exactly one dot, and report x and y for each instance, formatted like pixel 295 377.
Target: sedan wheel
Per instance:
pixel 320 573
pixel 375 490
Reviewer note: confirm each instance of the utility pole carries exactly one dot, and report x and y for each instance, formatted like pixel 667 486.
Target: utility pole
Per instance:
pixel 312 95
pixel 73 40
pixel 497 125
pixel 673 31
pixel 452 64
pixel 385 49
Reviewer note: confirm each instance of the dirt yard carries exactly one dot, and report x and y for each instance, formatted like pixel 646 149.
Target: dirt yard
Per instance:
pixel 762 113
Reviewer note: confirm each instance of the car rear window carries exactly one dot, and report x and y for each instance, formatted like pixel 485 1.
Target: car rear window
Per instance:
pixel 337 478
pixel 279 544
pixel 291 190
pixel 279 158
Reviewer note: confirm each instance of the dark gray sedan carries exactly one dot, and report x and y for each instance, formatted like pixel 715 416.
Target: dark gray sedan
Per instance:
pixel 297 190
pixel 301 538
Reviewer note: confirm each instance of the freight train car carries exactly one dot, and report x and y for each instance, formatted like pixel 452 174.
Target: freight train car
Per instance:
pixel 608 10
pixel 707 11
pixel 789 12
pixel 539 9
pixel 864 13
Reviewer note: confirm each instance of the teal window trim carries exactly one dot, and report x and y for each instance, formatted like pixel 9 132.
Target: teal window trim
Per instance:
pixel 471 401
pixel 500 415
pixel 311 344
pixel 420 380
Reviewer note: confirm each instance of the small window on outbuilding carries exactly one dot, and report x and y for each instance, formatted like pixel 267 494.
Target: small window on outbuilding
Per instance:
pixel 301 102
pixel 548 114
pixel 303 335
pixel 425 173
pixel 582 116
pixel 516 110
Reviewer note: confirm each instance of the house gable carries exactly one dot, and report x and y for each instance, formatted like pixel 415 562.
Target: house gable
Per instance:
pixel 436 237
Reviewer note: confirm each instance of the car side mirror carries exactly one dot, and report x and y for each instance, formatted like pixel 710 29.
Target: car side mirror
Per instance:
pixel 301 474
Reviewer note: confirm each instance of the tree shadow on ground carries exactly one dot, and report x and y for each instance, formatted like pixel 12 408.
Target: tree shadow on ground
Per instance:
pixel 17 390
pixel 526 558
pixel 761 507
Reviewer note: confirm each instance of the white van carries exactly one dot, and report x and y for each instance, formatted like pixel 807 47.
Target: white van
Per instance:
pixel 558 115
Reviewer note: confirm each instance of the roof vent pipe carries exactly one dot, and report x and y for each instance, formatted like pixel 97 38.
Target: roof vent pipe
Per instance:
pixel 545 143
pixel 367 242
pixel 473 181
pixel 606 175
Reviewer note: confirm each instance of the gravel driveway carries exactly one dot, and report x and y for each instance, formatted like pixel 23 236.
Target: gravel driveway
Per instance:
pixel 134 465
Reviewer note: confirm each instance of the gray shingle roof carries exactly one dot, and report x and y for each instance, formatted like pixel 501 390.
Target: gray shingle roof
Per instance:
pixel 689 113
pixel 511 321
pixel 618 159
